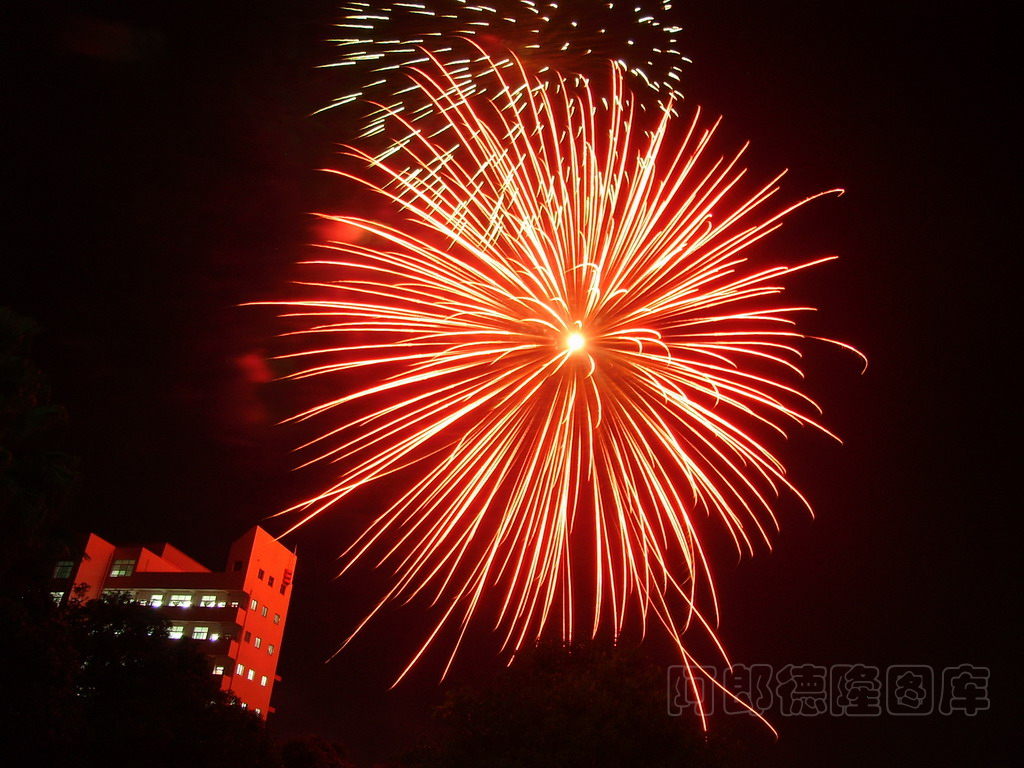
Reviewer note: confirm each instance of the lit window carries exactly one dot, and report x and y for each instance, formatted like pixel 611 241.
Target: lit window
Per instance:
pixel 63 569
pixel 240 669
pixel 200 633
pixel 250 673
pixel 257 642
pixel 260 574
pixel 257 710
pixel 122 568
pixel 223 604
pixel 253 604
pixel 176 631
pixel 270 581
pixel 248 636
pixel 157 601
pixel 219 669
pixel 263 680
pixel 57 596
pixel 214 637
pixel 264 611
pixel 270 650
pixel 181 601
pixel 243 705
pixel 207 601
pixel 234 603
pixel 277 618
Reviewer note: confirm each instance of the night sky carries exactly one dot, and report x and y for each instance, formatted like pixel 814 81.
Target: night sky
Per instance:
pixel 162 164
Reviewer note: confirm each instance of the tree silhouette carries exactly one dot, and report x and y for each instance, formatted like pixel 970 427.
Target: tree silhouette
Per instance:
pixel 100 683
pixel 591 704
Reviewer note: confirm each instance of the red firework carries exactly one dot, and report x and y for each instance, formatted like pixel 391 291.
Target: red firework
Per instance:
pixel 564 344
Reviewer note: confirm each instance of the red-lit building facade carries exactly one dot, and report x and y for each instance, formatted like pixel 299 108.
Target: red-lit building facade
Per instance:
pixel 237 615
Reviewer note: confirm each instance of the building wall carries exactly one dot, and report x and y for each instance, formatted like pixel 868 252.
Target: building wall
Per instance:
pixel 237 616
pixel 92 569
pixel 268 570
pixel 174 556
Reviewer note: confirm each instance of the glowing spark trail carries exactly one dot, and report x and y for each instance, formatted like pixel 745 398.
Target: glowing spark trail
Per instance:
pixel 568 348
pixel 381 39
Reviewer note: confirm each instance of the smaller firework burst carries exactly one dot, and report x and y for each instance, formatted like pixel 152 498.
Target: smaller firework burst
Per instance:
pixel 380 39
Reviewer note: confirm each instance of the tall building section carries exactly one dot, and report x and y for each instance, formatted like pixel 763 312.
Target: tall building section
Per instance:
pixel 236 615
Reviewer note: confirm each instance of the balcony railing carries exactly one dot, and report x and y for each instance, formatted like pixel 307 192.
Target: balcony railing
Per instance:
pixel 210 613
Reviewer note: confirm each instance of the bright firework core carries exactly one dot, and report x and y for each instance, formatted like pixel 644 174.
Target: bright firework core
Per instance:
pixel 575 341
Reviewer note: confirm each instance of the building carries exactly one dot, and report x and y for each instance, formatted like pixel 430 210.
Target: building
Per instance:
pixel 237 614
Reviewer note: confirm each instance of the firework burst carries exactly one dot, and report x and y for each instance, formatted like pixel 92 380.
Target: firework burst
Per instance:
pixel 569 348
pixel 382 39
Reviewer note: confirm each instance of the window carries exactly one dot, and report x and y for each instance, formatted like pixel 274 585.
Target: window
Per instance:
pixel 176 631
pixel 181 601
pixel 207 601
pixel 257 710
pixel 277 618
pixel 264 611
pixel 243 705
pixel 157 601
pixel 260 574
pixel 122 568
pixel 200 633
pixel 250 673
pixel 57 596
pixel 63 569
pixel 248 636
pixel 258 642
pixel 253 604
pixel 240 669
pixel 270 581
pixel 219 669
pixel 223 604
pixel 214 637
pixel 234 603
pixel 263 680
pixel 270 650
pixel 282 588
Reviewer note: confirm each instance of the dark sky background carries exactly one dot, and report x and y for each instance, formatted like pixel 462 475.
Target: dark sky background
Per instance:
pixel 161 163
